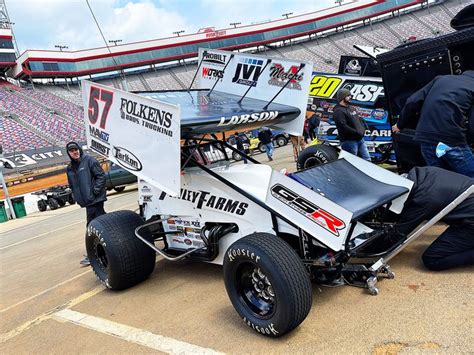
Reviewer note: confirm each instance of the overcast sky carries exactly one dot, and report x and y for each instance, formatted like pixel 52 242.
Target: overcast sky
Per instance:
pixel 41 24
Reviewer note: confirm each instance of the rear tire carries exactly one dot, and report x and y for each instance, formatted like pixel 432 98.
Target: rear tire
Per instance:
pixel 42 205
pixel 119 259
pixel 261 148
pixel 61 202
pixel 71 200
pixel 53 204
pixel 119 188
pixel 267 284
pixel 316 155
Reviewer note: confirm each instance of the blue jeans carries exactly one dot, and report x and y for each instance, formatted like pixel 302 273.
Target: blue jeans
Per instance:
pixel 458 159
pixel 269 149
pixel 357 148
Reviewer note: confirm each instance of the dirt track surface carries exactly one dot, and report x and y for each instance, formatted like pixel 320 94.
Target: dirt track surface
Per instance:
pixel 48 304
pixel 35 185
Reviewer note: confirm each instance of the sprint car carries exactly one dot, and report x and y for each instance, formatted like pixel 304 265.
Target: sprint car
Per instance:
pixel 273 233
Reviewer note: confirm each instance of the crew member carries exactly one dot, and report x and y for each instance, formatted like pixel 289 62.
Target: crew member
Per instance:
pixel 265 137
pixel 298 145
pixel 239 142
pixel 446 121
pixel 350 127
pixel 86 179
pixel 433 190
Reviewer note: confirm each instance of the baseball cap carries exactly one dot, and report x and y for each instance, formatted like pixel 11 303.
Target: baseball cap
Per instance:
pixel 71 146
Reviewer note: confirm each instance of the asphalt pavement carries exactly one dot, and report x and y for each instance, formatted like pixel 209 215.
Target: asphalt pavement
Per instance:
pixel 49 304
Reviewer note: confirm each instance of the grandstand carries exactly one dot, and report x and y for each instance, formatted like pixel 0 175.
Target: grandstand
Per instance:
pixel 45 114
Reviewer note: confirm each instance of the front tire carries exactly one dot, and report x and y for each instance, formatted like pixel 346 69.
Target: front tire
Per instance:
pixel 119 188
pixel 315 155
pixel 42 205
pixel 53 204
pixel 267 284
pixel 119 259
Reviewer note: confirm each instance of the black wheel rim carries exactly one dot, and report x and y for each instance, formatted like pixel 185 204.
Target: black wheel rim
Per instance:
pixel 101 257
pixel 255 290
pixel 312 161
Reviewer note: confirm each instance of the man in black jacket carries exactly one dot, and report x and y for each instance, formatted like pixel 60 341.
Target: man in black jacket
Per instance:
pixel 265 137
pixel 86 179
pixel 433 190
pixel 350 127
pixel 446 121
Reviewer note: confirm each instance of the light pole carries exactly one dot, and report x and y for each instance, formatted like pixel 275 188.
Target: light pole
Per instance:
pixel 287 14
pixel 177 33
pixel 235 24
pixel 115 41
pixel 61 47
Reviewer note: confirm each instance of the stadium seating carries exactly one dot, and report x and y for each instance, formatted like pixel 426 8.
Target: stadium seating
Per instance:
pixel 71 94
pixel 56 103
pixel 16 137
pixel 324 53
pixel 59 129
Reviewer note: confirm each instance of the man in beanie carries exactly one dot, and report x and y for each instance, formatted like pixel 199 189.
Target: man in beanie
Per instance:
pixel 350 127
pixel 86 179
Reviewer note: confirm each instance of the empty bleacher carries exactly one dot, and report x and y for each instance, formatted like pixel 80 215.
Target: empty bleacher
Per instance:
pixel 32 115
pixel 324 52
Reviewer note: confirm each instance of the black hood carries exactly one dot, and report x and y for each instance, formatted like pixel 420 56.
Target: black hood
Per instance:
pixel 71 144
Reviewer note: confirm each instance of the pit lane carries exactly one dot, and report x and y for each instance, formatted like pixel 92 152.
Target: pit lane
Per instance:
pixel 48 304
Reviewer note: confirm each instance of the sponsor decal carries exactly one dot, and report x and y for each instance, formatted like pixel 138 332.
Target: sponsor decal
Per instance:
pixel 188 241
pixel 324 86
pixel 248 71
pixel 353 67
pixel 378 133
pixel 248 118
pixel 99 147
pixel 147 198
pixel 205 200
pixel 145 188
pixel 270 329
pixel 214 58
pixel 328 86
pixel 365 92
pixel 232 253
pixel 308 209
pixel 279 77
pixel 215 34
pixel 211 73
pixel 149 117
pixel 127 159
pixel 99 134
